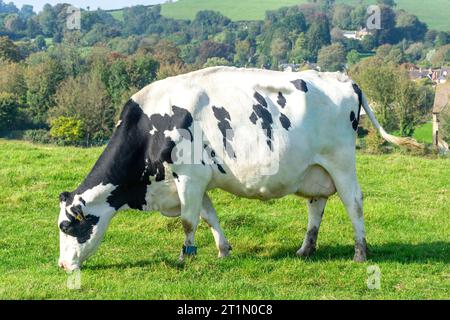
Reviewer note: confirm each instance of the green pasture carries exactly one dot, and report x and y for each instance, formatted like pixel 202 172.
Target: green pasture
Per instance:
pixel 407 208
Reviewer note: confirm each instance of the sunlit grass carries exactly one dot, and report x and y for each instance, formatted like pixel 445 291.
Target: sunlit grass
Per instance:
pixel 407 205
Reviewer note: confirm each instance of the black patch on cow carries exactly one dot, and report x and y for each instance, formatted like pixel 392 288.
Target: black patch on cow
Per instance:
pixel 281 100
pixel 253 118
pixel 224 118
pixel 123 162
pixel 221 169
pixel 285 122
pixel 64 196
pixel 354 121
pixel 259 112
pixel 82 230
pixel 213 158
pixel 174 174
pixel 260 99
pixel 353 118
pixel 300 85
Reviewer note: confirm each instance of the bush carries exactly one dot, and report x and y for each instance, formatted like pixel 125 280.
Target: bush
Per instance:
pixel 67 130
pixel 374 143
pixel 37 136
pixel 8 111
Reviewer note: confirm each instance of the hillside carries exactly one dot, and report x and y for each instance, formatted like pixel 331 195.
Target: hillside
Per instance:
pixel 433 12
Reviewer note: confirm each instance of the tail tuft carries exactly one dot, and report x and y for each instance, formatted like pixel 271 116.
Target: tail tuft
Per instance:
pixel 401 141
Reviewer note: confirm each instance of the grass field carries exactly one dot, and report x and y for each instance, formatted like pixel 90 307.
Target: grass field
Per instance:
pixel 424 133
pixel 407 205
pixel 433 12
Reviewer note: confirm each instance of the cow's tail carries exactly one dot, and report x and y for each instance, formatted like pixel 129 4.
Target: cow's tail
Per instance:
pixel 399 141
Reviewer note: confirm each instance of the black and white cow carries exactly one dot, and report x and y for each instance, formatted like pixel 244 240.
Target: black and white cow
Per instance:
pixel 254 133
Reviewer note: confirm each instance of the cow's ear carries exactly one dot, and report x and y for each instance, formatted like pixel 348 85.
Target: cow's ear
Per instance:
pixel 64 196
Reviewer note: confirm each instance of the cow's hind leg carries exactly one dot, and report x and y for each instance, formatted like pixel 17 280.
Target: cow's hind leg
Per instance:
pixel 316 207
pixel 350 193
pixel 208 214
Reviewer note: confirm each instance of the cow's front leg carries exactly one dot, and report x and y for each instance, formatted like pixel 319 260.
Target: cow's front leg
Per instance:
pixel 208 214
pixel 191 194
pixel 316 207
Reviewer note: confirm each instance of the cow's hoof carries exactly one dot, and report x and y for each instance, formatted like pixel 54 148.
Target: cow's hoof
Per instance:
pixel 360 257
pixel 306 251
pixel 360 251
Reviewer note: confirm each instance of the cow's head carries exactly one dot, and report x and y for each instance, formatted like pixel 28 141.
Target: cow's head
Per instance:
pixel 82 226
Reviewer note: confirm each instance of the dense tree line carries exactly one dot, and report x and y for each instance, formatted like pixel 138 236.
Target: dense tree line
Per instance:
pixel 51 77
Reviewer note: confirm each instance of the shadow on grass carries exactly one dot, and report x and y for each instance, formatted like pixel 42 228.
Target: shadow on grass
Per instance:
pixel 387 252
pixel 168 262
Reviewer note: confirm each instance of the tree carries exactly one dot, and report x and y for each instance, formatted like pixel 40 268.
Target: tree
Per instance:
pixel 12 81
pixel 278 50
pixel 441 57
pixel 26 12
pixel 388 34
pixel 14 24
pixel 33 28
pixel 342 17
pixel 47 20
pixel 318 35
pixel 243 53
pixel 410 104
pixel 389 3
pixel 215 62
pixel 40 42
pixel 332 58
pixel 85 98
pixel 400 103
pixel 410 27
pixel 299 52
pixel 208 22
pixel 8 50
pixel 209 49
pixel 8 111
pixel 42 81
pixel 353 57
pixel 358 17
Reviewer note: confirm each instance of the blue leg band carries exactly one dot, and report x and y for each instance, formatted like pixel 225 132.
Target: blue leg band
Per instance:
pixel 190 251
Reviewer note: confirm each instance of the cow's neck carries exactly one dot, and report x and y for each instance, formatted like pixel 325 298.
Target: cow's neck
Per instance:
pixel 121 166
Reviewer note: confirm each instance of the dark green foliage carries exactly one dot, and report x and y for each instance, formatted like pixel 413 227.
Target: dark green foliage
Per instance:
pixel 8 111
pixel 8 50
pixel 37 136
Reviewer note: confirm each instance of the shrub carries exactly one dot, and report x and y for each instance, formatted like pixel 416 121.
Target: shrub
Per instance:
pixel 374 142
pixel 8 111
pixel 67 130
pixel 37 136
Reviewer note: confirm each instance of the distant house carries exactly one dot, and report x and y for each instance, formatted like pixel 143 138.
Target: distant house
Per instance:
pixel 441 101
pixel 357 35
pixel 438 76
